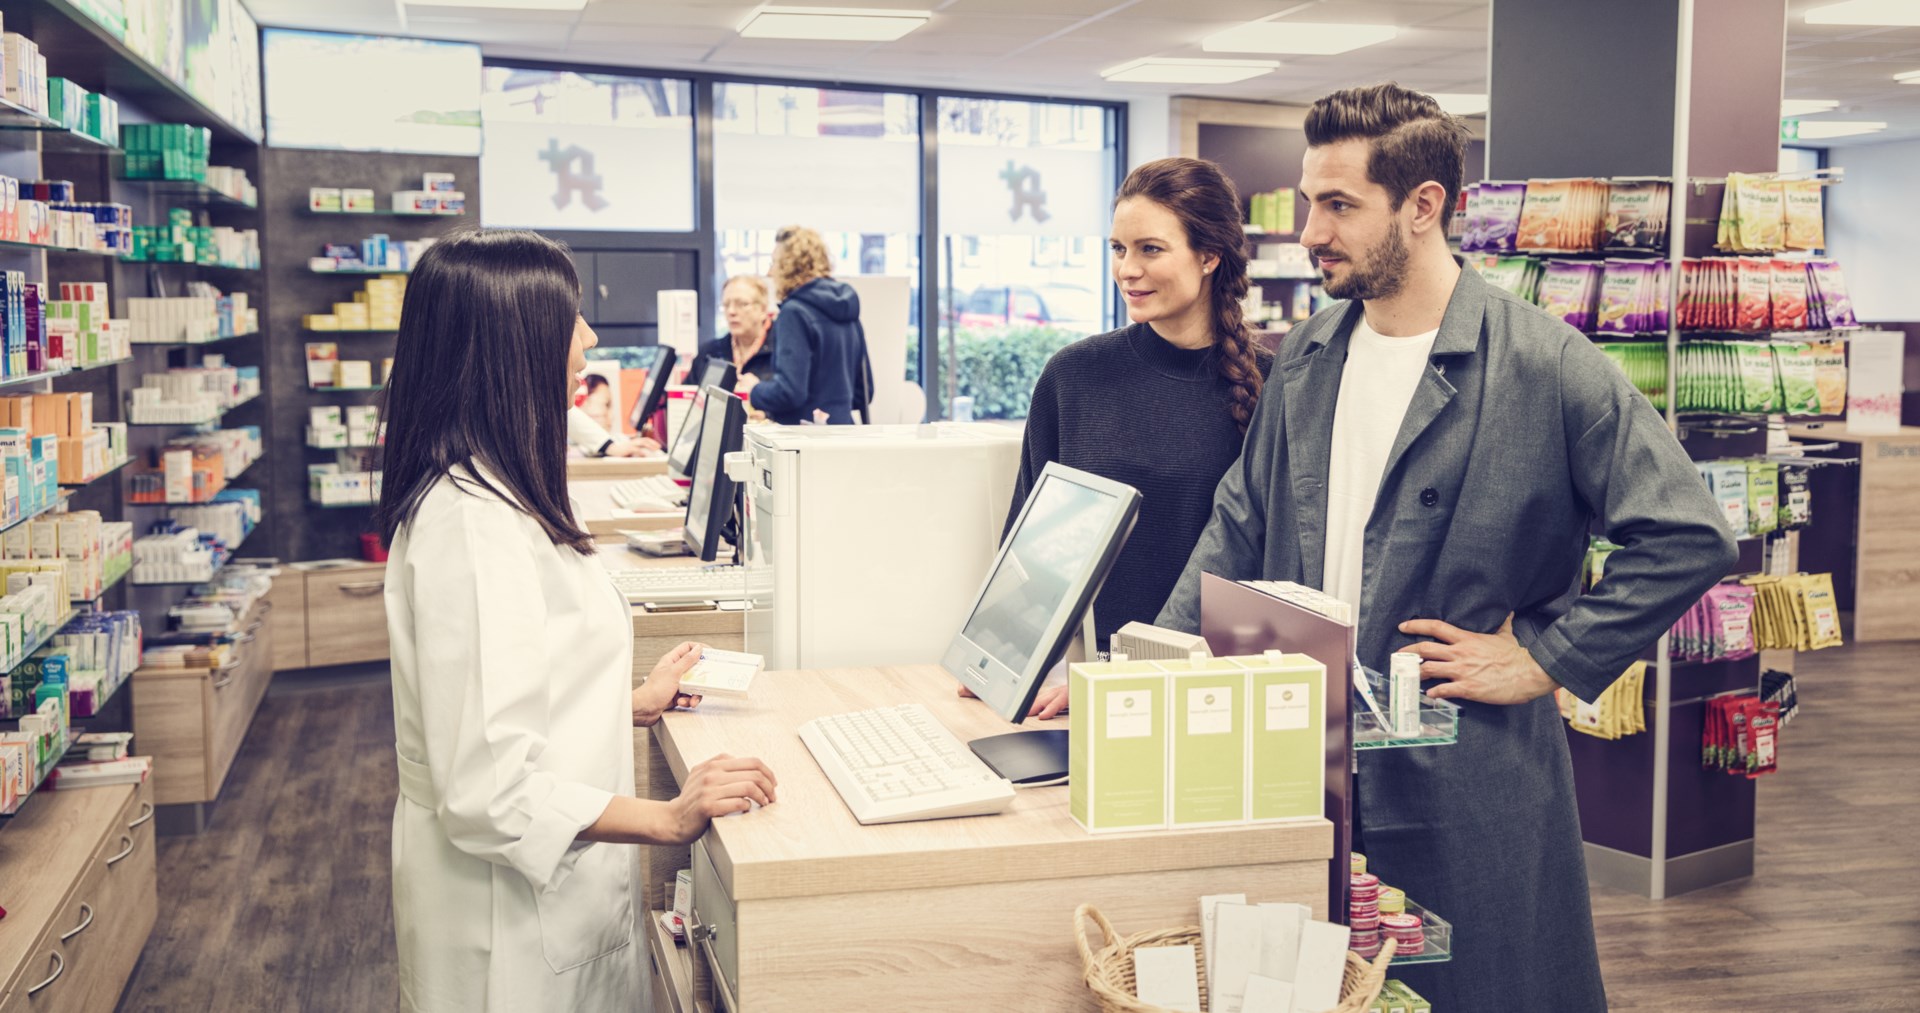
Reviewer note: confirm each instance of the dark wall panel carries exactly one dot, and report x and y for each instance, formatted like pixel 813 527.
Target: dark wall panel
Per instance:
pixel 1559 109
pixel 290 236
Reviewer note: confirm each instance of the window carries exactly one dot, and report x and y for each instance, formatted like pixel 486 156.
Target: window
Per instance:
pixel 845 163
pixel 587 151
pixel 1024 188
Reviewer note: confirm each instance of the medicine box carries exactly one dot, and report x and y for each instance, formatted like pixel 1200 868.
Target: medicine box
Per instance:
pixel 356 200
pixel 323 199
pixel 1117 746
pixel 1286 741
pixel 1207 735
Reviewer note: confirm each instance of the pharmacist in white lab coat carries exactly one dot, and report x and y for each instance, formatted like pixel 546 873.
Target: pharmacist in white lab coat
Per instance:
pixel 512 658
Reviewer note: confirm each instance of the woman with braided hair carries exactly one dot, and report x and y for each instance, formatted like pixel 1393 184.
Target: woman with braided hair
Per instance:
pixel 1163 403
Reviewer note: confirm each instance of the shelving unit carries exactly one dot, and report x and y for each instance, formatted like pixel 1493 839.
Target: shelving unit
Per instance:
pixel 382 214
pixel 95 478
pixel 10 244
pixel 188 193
pixel 104 588
pixel 192 344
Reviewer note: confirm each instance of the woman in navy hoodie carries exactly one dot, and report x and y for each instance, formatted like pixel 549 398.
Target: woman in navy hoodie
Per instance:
pixel 820 353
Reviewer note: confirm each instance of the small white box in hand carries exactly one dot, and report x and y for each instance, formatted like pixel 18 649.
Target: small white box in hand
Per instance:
pixel 722 673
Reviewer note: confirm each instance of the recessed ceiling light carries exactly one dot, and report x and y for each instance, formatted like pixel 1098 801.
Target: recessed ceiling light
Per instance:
pixel 830 24
pixel 1166 70
pixel 1460 103
pixel 1820 130
pixel 1867 12
pixel 514 5
pixel 1910 77
pixel 1296 37
pixel 1806 106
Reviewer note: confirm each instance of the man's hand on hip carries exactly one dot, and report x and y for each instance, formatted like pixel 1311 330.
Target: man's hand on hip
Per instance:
pixel 1485 667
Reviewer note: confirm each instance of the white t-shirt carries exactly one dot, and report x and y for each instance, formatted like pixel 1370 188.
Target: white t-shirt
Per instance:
pixel 1376 386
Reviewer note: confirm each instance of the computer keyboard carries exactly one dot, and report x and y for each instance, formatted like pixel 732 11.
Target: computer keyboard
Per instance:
pixel 894 764
pixel 653 494
pixel 680 584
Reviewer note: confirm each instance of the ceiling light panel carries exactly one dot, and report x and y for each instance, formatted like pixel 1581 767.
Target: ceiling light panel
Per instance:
pixel 830 24
pixel 1819 130
pixel 1297 38
pixel 1807 106
pixel 504 5
pixel 1896 13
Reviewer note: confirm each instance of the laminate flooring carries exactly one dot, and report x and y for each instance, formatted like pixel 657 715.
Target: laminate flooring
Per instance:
pixel 283 903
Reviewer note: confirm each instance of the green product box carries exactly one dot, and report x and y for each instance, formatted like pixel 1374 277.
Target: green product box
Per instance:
pixel 1207 733
pixel 1117 743
pixel 1286 737
pixel 1406 998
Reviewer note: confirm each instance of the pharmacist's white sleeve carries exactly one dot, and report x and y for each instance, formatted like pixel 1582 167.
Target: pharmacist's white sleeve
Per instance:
pixel 479 624
pixel 584 432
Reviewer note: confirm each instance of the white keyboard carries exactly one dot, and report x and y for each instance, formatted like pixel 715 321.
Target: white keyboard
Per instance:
pixel 653 494
pixel 895 764
pixel 692 583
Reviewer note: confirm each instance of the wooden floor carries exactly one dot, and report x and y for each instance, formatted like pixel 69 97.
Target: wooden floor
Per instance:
pixel 283 904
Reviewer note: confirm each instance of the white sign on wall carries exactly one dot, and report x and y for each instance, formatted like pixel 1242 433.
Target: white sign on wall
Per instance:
pixel 833 184
pixel 995 191
pixel 546 175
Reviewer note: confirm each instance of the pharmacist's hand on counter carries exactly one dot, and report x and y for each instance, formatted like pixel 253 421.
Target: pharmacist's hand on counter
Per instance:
pixel 1050 702
pixel 718 787
pixel 633 448
pixel 661 692
pixel 1484 667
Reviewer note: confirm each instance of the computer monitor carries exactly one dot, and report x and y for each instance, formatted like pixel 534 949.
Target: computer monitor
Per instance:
pixel 1032 606
pixel 718 373
pixel 657 360
pixel 710 498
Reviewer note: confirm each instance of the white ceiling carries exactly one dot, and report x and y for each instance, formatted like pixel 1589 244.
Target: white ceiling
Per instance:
pixel 1058 47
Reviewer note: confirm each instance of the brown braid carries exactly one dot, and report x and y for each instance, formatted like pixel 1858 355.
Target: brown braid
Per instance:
pixel 1208 207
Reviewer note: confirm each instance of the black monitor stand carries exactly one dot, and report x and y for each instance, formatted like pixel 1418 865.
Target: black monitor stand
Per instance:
pixel 1038 756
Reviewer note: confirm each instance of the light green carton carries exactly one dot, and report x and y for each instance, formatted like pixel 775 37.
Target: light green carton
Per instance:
pixel 1286 738
pixel 1117 742
pixel 1207 729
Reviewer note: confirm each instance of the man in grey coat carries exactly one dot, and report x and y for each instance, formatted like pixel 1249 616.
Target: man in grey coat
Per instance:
pixel 1436 450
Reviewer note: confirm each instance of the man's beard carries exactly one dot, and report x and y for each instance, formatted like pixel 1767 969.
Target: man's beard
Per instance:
pixel 1379 275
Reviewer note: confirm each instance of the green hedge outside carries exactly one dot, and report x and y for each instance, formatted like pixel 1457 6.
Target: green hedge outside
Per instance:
pixel 998 367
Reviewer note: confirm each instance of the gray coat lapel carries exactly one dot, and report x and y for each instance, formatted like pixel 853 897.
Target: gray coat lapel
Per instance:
pixel 1312 385
pixel 1459 335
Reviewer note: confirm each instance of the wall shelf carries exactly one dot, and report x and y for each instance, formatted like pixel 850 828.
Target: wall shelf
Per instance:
pixel 190 193
pixel 383 214
pixel 83 483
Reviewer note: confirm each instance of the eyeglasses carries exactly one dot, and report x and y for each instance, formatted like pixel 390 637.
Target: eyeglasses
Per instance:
pixel 738 304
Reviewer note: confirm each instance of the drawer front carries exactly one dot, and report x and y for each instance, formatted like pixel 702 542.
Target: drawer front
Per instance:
pixel 170 725
pixel 126 904
pixel 346 616
pixel 50 984
pixel 233 694
pixel 288 620
pixel 714 933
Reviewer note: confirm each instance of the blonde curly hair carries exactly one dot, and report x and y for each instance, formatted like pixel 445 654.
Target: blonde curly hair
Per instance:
pixel 799 257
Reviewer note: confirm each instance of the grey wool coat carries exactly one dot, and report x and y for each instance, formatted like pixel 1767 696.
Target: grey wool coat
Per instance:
pixel 1519 435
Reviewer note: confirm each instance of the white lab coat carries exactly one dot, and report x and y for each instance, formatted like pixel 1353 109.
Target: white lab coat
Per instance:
pixel 512 712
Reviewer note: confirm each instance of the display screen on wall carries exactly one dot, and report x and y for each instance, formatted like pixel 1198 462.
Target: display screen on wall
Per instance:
pixel 371 93
pixel 587 151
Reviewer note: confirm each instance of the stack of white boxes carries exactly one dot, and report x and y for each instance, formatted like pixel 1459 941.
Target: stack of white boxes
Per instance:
pixel 335 428
pixel 81 317
pixel 78 538
pixel 189 319
pixel 25 72
pixel 179 397
pixel 173 557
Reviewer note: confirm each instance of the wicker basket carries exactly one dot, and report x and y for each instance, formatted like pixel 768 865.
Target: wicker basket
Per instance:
pixel 1109 969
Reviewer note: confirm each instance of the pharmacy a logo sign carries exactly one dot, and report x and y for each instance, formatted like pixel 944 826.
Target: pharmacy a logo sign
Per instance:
pixel 569 181
pixel 1023 183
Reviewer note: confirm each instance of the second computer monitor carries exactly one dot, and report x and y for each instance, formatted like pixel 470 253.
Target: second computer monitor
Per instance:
pixel 1040 587
pixel 710 498
pixel 718 373
pixel 658 362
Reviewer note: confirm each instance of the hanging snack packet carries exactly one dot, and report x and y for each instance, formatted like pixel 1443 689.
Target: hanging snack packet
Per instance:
pixel 1634 222
pixel 1823 612
pixel 1833 293
pixel 1756 295
pixel 1542 211
pixel 1508 273
pixel 1733 614
pixel 1475 220
pixel 1763 497
pixel 1729 224
pixel 1762 215
pixel 1566 291
pixel 1806 226
pixel 1756 378
pixel 1730 488
pixel 1500 209
pixel 1830 377
pixel 1763 728
pixel 1620 293
pixel 1787 283
pixel 1799 386
pixel 1796 496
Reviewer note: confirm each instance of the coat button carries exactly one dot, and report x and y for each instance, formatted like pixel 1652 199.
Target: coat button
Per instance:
pixel 1429 496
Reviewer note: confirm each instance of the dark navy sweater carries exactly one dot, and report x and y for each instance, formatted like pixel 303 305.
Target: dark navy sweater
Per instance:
pixel 1129 406
pixel 819 357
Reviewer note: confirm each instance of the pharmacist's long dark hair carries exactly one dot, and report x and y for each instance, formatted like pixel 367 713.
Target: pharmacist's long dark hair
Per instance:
pixel 480 378
pixel 1203 198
